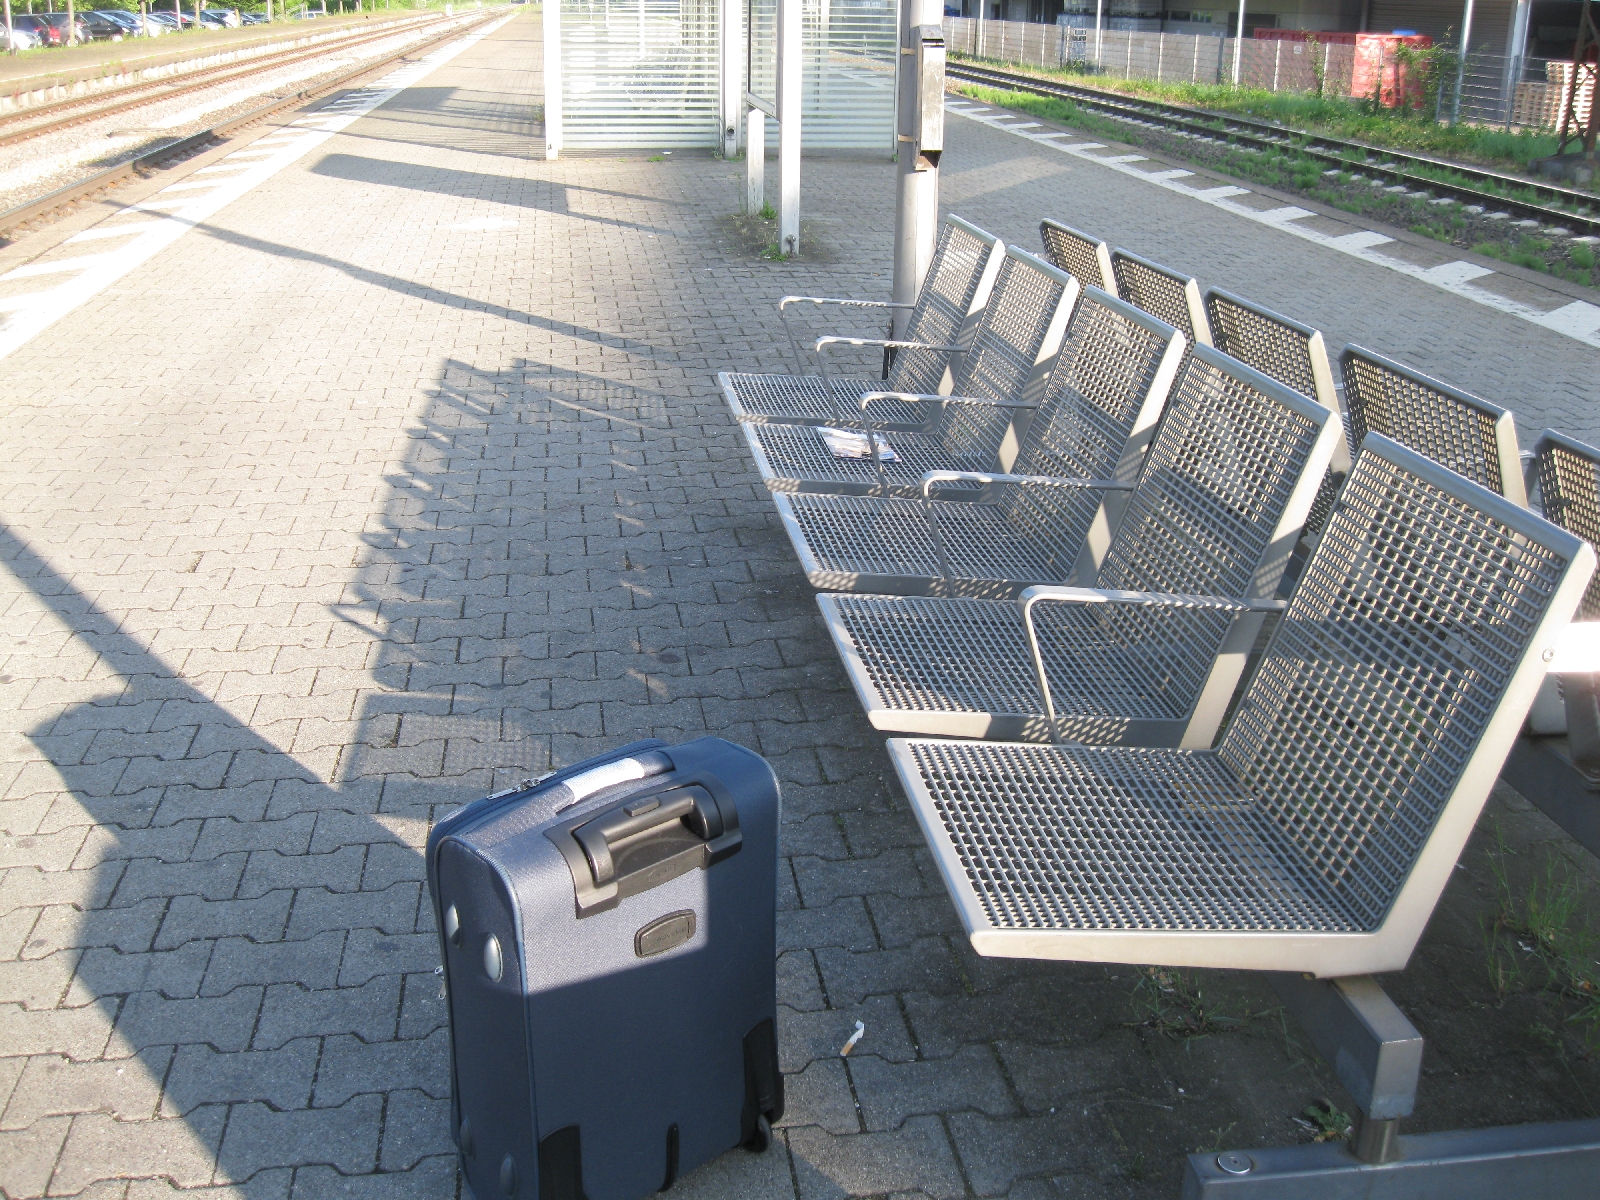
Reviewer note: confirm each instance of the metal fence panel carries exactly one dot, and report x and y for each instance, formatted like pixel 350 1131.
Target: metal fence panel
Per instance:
pixel 1519 92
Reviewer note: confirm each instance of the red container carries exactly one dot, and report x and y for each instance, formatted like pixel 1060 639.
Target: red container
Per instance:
pixel 1378 72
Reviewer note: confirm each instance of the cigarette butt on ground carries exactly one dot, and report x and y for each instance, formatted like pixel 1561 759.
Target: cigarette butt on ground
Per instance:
pixel 854 1038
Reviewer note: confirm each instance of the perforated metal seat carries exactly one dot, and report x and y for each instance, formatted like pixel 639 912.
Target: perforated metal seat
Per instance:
pixel 1165 294
pixel 1296 356
pixel 1086 259
pixel 1103 398
pixel 1470 436
pixel 957 285
pixel 1320 832
pixel 1217 512
pixel 1003 373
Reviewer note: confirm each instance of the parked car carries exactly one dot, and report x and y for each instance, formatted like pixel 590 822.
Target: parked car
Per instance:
pixel 23 39
pixel 102 28
pixel 130 23
pixel 220 18
pixel 51 28
pixel 253 19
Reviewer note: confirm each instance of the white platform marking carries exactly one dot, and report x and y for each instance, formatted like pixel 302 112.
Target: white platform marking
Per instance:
pixel 44 309
pixel 1578 320
pixel 1288 212
pixel 111 231
pixel 1449 273
pixel 58 267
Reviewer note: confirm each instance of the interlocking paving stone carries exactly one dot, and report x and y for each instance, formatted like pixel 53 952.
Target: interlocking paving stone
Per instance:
pixel 414 510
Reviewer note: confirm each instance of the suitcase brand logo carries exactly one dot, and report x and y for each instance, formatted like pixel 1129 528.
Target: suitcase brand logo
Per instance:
pixel 664 933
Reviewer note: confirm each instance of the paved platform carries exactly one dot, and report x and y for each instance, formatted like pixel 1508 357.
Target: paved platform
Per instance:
pixel 402 475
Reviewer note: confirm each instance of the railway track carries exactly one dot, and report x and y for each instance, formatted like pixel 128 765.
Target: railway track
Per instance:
pixel 63 114
pixel 1550 205
pixel 144 164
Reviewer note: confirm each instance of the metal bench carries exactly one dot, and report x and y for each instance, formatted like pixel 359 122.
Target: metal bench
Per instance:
pixel 1112 378
pixel 1164 293
pixel 1319 833
pixel 1003 372
pixel 1084 258
pixel 1216 513
pixel 954 291
pixel 1567 475
pixel 1470 436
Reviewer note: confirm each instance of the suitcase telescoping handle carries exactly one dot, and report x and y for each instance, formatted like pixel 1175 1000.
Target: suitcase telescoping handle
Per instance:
pixel 690 807
pixel 645 840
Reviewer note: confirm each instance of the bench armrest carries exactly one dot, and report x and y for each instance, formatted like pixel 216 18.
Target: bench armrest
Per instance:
pixel 1154 600
pixel 929 478
pixel 823 343
pixel 820 300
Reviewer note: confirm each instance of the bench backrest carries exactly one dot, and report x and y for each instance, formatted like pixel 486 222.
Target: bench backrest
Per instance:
pixel 1225 487
pixel 1105 396
pixel 1568 475
pixel 1391 691
pixel 1280 348
pixel 950 305
pixel 1012 354
pixel 1470 436
pixel 1164 293
pixel 1086 259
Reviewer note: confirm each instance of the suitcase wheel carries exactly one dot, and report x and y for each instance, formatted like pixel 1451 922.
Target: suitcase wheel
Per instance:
pixel 760 1140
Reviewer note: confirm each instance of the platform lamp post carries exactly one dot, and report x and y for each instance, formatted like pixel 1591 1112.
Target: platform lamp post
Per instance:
pixel 919 141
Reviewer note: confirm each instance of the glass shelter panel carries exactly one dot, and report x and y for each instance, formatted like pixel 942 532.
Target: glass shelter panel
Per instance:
pixel 640 73
pixel 848 92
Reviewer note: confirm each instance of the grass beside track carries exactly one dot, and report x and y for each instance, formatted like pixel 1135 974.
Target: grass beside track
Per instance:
pixel 1330 116
pixel 1288 170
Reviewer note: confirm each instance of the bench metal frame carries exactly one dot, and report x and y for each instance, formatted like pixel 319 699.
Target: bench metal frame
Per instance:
pixel 1002 378
pixel 1269 871
pixel 1210 517
pixel 943 321
pixel 1058 507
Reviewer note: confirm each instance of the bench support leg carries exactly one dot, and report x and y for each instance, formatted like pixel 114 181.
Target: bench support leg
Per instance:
pixel 1377 1055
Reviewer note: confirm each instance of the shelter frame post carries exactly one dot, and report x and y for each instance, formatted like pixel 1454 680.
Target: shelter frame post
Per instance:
pixel 790 58
pixel 552 79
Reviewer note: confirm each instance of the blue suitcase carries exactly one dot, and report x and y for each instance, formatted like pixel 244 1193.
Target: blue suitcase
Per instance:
pixel 609 945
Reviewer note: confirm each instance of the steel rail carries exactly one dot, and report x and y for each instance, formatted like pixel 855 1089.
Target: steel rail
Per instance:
pixel 1263 135
pixel 146 163
pixel 136 95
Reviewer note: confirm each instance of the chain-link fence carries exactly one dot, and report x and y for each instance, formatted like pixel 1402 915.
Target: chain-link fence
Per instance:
pixel 1520 92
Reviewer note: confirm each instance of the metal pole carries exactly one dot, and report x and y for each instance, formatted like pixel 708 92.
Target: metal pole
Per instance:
pixel 1099 9
pixel 1238 45
pixel 917 175
pixel 789 99
pixel 1461 63
pixel 10 49
pixel 755 160
pixel 732 77
pixel 552 78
